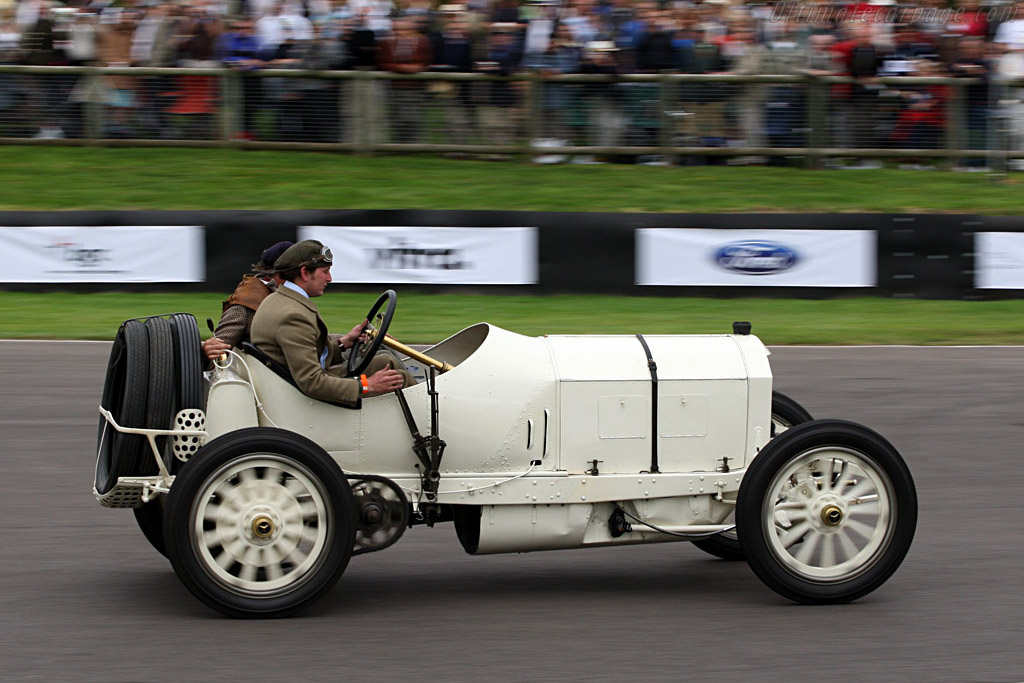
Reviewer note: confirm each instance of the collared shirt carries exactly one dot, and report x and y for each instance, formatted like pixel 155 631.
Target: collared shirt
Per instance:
pixel 295 288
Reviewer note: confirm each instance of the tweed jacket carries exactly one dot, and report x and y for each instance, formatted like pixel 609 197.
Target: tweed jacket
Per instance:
pixel 239 309
pixel 289 329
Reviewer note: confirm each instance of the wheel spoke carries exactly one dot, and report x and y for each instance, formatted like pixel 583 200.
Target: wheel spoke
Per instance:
pixel 212 539
pixel 847 545
pixel 225 560
pixel 836 481
pixel 859 489
pixel 309 534
pixel 871 507
pixel 274 570
pixel 828 550
pixel 865 530
pixel 794 534
pixel 308 509
pixel 247 573
pixel 806 551
pixel 212 513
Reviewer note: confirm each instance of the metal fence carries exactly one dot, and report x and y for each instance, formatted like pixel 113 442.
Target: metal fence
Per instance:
pixel 657 118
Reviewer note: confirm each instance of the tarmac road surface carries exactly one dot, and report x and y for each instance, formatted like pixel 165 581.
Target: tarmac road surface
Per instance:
pixel 85 598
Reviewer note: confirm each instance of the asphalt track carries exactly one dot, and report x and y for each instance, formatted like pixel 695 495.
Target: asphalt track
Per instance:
pixel 84 597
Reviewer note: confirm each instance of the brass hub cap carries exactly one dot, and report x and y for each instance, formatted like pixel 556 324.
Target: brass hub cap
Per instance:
pixel 262 527
pixel 831 515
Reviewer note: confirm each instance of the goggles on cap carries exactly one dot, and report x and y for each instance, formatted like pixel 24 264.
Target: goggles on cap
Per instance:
pixel 325 258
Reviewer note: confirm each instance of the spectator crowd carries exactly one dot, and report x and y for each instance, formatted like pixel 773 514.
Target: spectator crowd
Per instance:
pixel 863 40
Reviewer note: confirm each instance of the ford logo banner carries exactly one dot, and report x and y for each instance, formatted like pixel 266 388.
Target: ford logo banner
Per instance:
pixel 755 258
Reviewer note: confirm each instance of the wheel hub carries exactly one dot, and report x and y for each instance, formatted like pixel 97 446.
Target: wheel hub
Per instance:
pixel 372 514
pixel 831 515
pixel 262 526
pixel 828 513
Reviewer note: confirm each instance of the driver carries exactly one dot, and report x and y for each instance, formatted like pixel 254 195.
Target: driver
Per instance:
pixel 289 329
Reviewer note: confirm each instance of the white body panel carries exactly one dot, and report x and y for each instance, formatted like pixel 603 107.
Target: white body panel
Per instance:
pixel 525 417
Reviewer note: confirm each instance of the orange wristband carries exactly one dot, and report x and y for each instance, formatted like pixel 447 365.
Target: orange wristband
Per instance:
pixel 366 387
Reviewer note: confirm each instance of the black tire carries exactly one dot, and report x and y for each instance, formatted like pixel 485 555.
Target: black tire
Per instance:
pixel 248 468
pixel 159 413
pixel 150 518
pixel 189 362
pixel 786 413
pixel 160 400
pixel 816 535
pixel 124 394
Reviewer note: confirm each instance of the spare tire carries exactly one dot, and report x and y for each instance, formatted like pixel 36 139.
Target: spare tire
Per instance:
pixel 161 399
pixel 175 383
pixel 188 351
pixel 124 395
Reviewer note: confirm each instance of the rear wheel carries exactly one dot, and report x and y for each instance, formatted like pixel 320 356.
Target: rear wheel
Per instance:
pixel 261 523
pixel 826 512
pixel 786 413
pixel 150 518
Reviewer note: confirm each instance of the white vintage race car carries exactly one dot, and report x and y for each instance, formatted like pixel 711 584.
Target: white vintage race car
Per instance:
pixel 260 495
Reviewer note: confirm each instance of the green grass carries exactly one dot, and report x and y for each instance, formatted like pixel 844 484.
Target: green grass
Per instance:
pixel 429 318
pixel 64 178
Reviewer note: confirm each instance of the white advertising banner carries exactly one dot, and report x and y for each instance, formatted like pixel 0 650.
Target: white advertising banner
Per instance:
pixel 422 255
pixel 130 253
pixel 999 260
pixel 756 258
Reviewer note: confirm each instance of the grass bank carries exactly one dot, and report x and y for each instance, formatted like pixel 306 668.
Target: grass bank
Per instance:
pixel 429 318
pixel 64 178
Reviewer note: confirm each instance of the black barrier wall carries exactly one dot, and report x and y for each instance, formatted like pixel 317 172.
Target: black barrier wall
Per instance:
pixel 918 255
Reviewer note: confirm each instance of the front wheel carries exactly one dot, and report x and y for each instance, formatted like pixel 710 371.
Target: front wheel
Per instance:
pixel 826 512
pixel 260 523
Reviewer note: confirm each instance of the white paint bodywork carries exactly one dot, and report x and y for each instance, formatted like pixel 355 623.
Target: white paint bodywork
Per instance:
pixel 524 419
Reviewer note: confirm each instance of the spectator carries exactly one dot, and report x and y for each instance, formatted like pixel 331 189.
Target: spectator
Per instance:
pixel 1011 68
pixel 561 57
pixel 47 93
pixel 115 49
pixel 706 101
pixel 320 115
pixel 240 49
pixel 922 118
pixel 579 18
pixel 538 31
pixel 654 50
pixel 857 103
pixel 601 101
pixel 453 53
pixel 971 62
pixel 970 21
pixel 505 12
pixel 12 88
pixel 1011 32
pixel 785 105
pixel 406 52
pixel 284 95
pixel 501 103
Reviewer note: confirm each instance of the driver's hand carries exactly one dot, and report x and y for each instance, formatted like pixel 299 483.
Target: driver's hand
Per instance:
pixel 214 347
pixel 384 381
pixel 357 332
